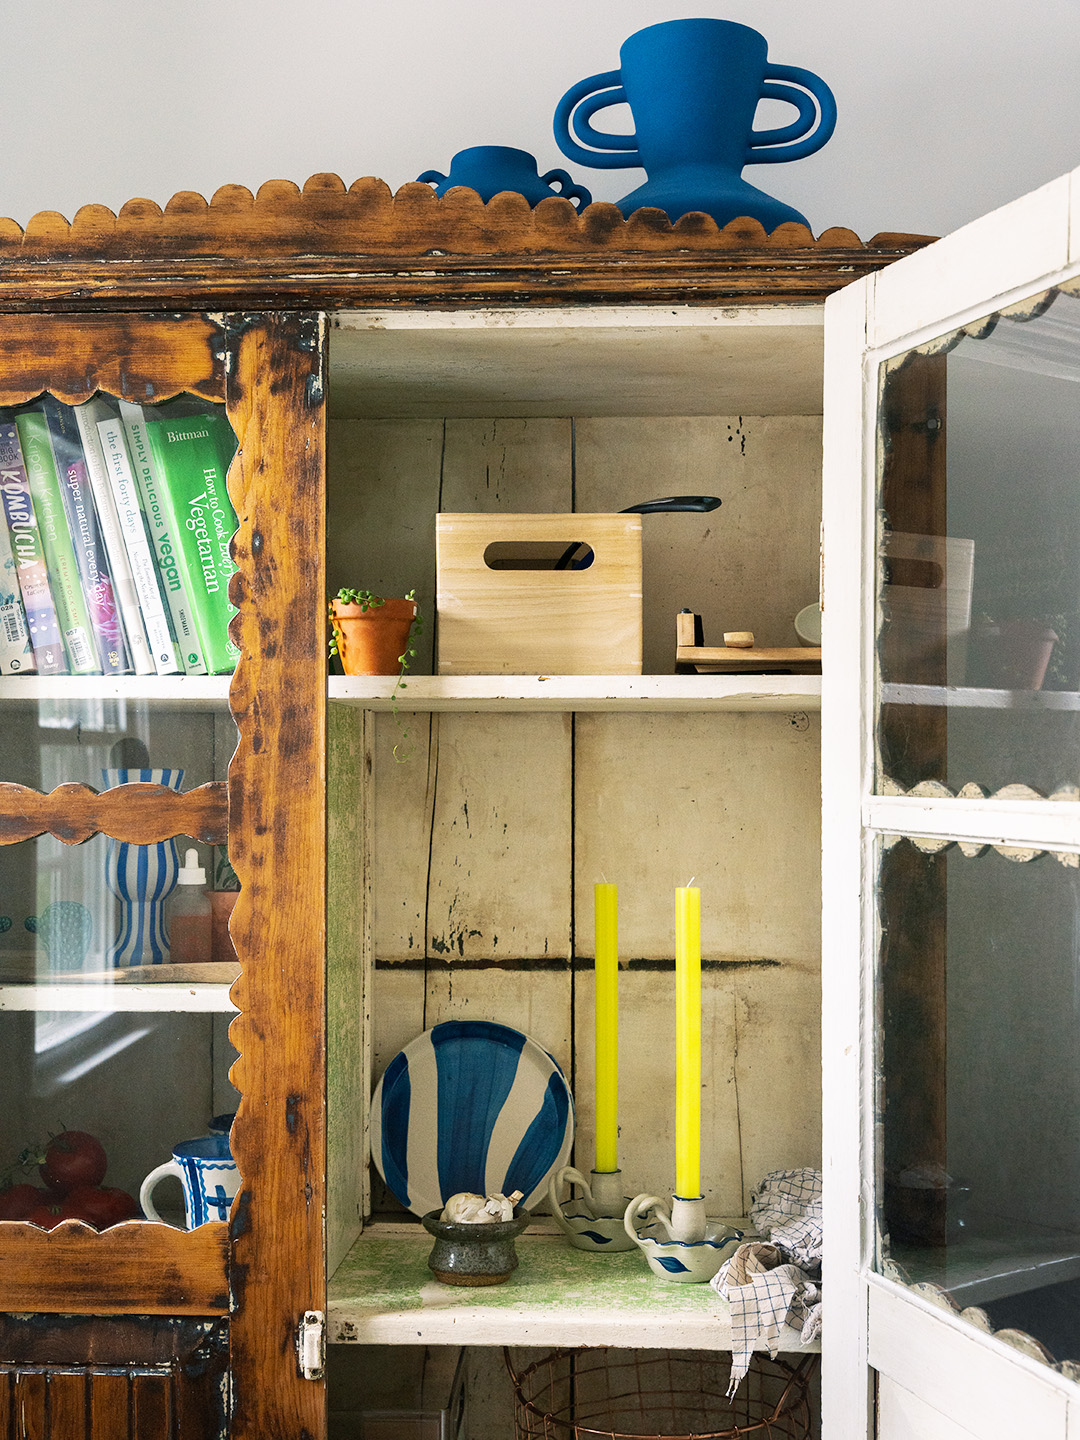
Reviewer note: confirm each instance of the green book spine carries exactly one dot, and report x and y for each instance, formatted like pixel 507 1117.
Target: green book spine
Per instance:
pixel 166 536
pixel 191 457
pixel 56 543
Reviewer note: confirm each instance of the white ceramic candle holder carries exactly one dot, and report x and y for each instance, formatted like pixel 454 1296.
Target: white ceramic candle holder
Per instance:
pixel 680 1244
pixel 595 1221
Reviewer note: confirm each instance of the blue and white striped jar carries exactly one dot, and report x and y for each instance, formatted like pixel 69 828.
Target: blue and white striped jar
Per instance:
pixel 142 877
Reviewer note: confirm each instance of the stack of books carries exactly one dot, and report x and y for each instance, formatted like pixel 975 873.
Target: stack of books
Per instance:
pixel 114 538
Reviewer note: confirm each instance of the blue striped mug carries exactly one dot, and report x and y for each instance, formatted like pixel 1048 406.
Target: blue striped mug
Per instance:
pixel 208 1174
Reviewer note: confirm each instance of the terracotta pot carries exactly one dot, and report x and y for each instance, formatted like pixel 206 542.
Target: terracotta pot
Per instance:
pixel 1013 654
pixel 371 642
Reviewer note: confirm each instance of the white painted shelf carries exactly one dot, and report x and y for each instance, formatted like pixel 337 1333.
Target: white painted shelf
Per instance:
pixel 642 693
pixel 1010 1260
pixel 187 999
pixel 582 360
pixel 203 692
pixel 383 1294
pixel 969 697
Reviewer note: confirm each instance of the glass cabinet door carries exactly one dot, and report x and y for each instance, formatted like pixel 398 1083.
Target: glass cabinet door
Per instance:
pixel 146 791
pixel 114 1003
pixel 952 804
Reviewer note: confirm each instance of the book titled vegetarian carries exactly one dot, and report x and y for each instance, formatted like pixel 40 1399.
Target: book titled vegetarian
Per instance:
pixel 86 538
pixel 26 546
pixel 144 571
pixel 164 539
pixel 87 417
pixel 64 581
pixel 191 455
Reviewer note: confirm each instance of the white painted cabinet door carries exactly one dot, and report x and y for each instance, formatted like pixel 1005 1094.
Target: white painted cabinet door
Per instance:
pixel 951 887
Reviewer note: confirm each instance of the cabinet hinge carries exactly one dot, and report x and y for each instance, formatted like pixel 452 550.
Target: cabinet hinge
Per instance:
pixel 311 1344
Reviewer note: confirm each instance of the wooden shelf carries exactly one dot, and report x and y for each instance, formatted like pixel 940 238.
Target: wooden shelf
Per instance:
pixel 968 697
pixel 188 999
pixel 979 1268
pixel 644 693
pixel 383 1294
pixel 188 988
pixel 610 360
pixel 203 692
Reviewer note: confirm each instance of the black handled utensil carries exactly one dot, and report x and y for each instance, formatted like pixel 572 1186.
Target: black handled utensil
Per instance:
pixel 697 503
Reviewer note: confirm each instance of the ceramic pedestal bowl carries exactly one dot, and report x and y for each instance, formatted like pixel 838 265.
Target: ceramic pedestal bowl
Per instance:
pixel 474 1254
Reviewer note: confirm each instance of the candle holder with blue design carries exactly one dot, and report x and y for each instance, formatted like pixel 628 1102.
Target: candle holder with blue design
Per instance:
pixel 595 1221
pixel 680 1244
pixel 142 877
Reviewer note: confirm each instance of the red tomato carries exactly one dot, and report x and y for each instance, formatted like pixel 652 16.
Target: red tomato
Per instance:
pixel 73 1158
pixel 99 1205
pixel 17 1201
pixel 46 1216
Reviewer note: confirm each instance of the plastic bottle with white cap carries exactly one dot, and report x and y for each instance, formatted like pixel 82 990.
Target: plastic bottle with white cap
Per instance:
pixel 190 914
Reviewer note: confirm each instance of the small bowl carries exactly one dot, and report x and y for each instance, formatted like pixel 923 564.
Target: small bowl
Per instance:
pixel 808 624
pixel 474 1254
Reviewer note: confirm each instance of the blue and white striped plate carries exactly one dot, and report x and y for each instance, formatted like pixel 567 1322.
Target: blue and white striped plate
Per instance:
pixel 470 1105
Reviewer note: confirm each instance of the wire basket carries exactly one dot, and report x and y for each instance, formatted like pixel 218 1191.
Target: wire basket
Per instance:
pixel 609 1394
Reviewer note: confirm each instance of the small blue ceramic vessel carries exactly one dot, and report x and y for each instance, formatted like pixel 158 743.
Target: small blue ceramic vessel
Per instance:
pixel 491 169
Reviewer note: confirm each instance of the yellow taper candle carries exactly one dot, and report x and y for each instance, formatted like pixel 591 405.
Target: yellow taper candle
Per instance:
pixel 605 903
pixel 688 1042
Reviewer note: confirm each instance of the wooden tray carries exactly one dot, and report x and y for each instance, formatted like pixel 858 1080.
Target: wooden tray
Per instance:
pixel 717 659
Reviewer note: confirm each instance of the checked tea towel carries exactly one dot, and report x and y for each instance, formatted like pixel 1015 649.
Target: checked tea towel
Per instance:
pixel 772 1282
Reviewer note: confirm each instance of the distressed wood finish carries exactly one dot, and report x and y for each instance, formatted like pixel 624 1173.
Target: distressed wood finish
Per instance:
pixel 278 848
pixel 330 247
pixel 138 356
pixel 134 1268
pixel 128 1402
pixel 137 814
pixel 71 1340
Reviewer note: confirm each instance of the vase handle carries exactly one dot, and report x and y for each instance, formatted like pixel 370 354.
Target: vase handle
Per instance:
pixel 613 152
pixel 800 138
pixel 568 189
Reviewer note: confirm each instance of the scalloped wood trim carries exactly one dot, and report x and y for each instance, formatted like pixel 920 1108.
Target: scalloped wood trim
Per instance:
pixel 138 814
pixel 326 218
pixel 326 246
pixel 140 357
pixel 133 1269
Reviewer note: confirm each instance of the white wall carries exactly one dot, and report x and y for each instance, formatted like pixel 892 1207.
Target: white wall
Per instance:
pixel 947 107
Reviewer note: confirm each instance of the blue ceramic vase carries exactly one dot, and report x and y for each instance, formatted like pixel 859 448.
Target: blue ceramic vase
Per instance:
pixel 693 87
pixel 491 169
pixel 142 877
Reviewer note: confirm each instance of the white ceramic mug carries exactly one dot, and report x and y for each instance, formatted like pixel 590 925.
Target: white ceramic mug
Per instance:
pixel 208 1173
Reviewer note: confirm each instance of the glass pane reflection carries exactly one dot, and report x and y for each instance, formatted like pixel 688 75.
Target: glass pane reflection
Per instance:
pixel 97 1036
pixel 979 639
pixel 138 1082
pixel 979 1084
pixel 61 910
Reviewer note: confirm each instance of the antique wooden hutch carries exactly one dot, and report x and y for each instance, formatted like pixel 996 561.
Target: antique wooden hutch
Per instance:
pixel 406 354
